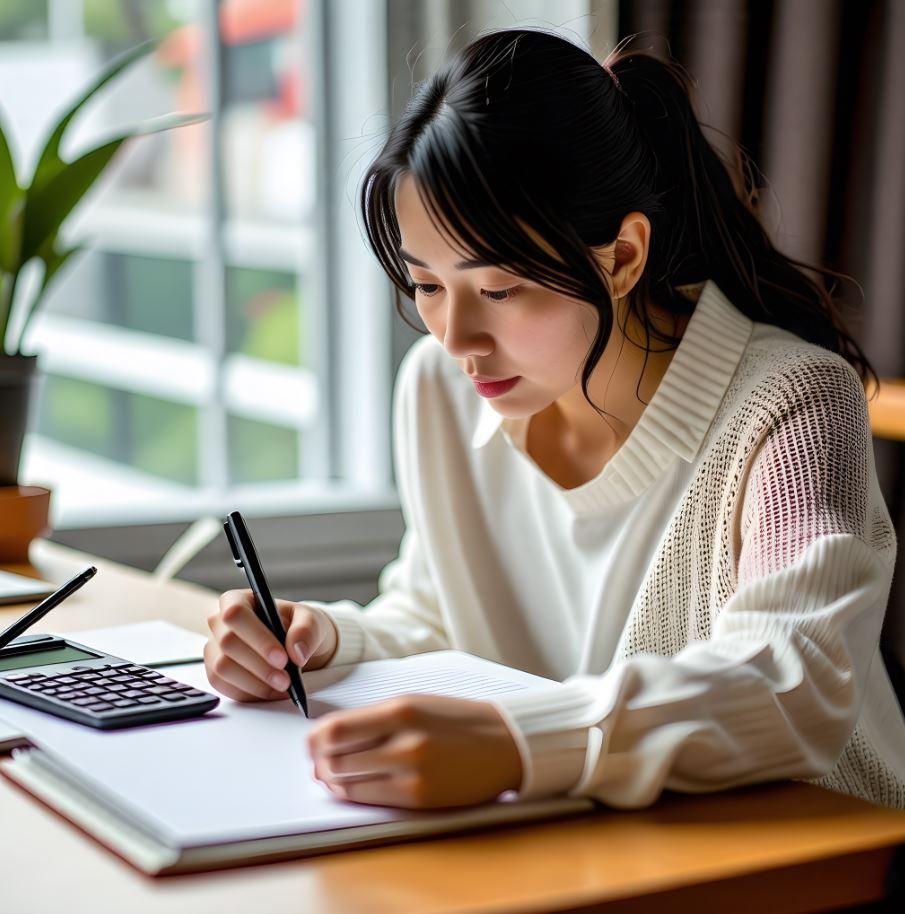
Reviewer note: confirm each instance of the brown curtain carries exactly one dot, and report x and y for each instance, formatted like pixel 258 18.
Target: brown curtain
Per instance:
pixel 814 90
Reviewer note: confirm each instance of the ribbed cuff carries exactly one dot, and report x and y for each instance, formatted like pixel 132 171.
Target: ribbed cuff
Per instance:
pixel 350 635
pixel 553 756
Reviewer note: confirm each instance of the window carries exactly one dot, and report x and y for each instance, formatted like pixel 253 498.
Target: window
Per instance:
pixel 227 340
pixel 191 357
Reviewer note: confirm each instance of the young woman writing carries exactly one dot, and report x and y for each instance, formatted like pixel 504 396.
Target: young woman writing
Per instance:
pixel 689 538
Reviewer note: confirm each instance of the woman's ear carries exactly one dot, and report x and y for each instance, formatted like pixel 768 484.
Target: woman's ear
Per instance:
pixel 623 261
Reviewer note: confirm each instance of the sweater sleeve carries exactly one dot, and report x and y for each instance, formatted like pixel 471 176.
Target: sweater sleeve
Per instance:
pixel 405 616
pixel 776 691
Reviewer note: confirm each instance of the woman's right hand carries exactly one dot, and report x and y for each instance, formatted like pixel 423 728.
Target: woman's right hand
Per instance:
pixel 243 658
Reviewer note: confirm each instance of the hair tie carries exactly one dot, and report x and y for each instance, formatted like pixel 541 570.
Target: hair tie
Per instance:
pixel 613 76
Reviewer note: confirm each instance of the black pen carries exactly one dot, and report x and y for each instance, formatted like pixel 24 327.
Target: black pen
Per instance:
pixel 246 557
pixel 46 605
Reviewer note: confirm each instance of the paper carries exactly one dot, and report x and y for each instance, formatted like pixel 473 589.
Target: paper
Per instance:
pixel 154 643
pixel 10 736
pixel 17 588
pixel 243 770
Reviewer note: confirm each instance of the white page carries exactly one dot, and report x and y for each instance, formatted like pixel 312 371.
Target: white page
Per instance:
pixel 243 770
pixel 152 643
pixel 17 588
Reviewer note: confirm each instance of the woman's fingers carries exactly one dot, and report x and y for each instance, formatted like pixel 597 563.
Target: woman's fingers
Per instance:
pixel 236 649
pixel 305 635
pixel 233 680
pixel 238 615
pixel 342 731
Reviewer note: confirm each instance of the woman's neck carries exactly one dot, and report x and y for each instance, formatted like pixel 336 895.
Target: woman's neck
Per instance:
pixel 576 426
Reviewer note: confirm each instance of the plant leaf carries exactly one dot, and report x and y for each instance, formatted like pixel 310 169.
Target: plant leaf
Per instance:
pixel 50 163
pixel 12 199
pixel 47 206
pixel 54 261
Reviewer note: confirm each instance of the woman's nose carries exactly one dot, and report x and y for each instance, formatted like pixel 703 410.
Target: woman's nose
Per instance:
pixel 464 335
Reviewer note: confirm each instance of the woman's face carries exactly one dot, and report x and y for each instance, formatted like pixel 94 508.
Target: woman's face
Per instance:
pixel 494 324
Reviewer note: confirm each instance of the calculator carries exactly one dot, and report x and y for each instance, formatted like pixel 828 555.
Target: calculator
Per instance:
pixel 62 677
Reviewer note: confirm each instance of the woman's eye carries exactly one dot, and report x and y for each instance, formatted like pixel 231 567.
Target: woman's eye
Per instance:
pixel 501 295
pixel 426 288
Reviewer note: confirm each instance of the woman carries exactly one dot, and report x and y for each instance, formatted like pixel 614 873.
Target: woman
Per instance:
pixel 689 538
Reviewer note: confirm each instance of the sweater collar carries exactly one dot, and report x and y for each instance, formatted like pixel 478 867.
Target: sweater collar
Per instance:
pixel 678 415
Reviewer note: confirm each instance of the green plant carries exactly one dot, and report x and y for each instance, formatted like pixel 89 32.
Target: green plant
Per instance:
pixel 31 216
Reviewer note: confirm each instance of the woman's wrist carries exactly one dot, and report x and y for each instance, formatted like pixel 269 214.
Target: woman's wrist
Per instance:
pixel 510 759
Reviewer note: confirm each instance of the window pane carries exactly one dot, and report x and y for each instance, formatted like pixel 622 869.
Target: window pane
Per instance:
pixel 23 20
pixel 80 414
pixel 268 141
pixel 163 171
pixel 164 438
pixel 151 294
pixel 146 433
pixel 260 452
pixel 264 316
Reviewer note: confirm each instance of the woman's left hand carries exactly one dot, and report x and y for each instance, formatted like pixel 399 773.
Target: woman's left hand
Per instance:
pixel 416 751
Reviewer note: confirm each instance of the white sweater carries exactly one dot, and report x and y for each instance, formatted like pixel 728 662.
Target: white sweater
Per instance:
pixel 710 604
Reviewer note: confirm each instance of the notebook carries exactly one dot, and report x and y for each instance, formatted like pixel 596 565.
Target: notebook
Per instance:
pixel 236 786
pixel 17 588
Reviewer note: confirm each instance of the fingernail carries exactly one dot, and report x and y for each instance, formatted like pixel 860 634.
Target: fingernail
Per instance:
pixel 276 658
pixel 278 681
pixel 299 654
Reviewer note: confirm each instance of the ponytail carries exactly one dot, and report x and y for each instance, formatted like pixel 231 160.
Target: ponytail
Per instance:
pixel 707 227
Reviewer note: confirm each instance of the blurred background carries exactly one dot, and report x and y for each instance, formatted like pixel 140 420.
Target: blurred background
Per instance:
pixel 226 341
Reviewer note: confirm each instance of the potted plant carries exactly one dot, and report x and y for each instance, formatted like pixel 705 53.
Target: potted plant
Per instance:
pixel 31 215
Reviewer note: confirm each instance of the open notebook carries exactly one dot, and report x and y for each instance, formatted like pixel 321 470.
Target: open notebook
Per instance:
pixel 236 785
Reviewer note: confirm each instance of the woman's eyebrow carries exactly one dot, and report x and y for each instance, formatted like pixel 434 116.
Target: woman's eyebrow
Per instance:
pixel 461 265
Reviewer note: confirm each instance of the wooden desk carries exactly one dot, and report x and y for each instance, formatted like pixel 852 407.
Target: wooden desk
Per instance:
pixel 779 848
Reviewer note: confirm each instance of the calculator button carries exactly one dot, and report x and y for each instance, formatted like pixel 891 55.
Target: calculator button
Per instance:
pixel 194 693
pixel 99 706
pixel 108 695
pixel 148 700
pixel 102 681
pixel 133 693
pixel 122 665
pixel 173 696
pixel 78 693
pixel 115 686
pixel 94 690
pixel 39 676
pixel 153 674
pixel 18 677
pixel 84 700
pixel 125 703
pixel 158 690
pixel 66 679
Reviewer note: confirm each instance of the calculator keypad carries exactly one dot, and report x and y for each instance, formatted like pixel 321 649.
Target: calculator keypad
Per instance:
pixel 108 687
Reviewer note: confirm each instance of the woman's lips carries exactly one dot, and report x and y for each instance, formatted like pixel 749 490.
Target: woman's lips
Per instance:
pixel 495 388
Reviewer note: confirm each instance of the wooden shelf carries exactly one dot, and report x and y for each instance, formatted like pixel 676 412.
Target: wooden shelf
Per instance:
pixel 887 409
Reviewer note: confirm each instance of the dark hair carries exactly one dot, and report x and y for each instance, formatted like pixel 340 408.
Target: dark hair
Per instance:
pixel 524 130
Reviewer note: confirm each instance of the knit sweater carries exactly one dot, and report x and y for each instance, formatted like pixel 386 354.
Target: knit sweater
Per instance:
pixel 708 607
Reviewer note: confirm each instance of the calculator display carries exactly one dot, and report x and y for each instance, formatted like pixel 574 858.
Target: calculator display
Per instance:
pixel 42 658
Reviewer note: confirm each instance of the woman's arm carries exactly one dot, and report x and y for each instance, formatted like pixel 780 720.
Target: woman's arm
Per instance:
pixel 405 617
pixel 777 690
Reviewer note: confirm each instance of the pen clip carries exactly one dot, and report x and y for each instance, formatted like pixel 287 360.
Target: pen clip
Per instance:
pixel 227 527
